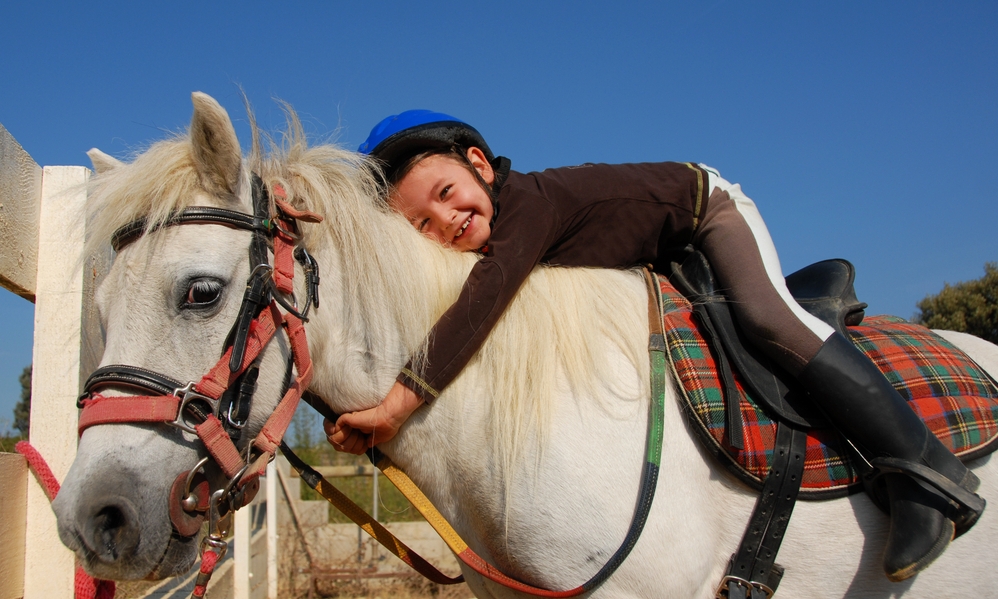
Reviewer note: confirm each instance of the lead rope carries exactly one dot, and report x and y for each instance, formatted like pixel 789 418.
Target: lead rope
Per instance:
pixel 84 585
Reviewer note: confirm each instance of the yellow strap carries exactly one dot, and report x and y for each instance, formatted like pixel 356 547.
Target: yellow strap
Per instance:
pixel 422 504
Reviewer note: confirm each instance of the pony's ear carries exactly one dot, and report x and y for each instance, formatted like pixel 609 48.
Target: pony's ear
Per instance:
pixel 102 162
pixel 214 144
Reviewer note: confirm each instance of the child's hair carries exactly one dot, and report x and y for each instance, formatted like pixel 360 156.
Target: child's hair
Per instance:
pixel 456 153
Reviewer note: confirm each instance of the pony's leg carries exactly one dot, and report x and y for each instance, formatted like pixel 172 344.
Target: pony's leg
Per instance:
pixel 847 386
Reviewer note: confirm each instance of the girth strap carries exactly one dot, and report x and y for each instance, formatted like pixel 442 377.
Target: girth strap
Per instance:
pixel 753 572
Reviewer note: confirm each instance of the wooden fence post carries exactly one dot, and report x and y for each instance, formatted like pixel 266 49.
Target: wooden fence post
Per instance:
pixel 55 380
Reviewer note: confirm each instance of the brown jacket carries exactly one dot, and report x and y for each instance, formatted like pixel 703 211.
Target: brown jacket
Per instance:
pixel 597 215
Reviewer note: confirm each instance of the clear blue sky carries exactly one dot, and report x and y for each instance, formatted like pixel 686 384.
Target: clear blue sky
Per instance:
pixel 863 130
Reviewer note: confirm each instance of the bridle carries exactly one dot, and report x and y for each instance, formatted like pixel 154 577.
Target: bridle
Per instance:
pixel 217 407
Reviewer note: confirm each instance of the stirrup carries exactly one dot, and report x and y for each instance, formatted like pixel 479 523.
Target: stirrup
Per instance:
pixel 971 505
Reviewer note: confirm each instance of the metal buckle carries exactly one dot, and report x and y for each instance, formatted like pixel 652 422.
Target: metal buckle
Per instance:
pixel 186 395
pixel 722 589
pixel 256 269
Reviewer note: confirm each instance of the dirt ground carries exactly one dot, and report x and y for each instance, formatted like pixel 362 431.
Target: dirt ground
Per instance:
pixel 407 589
pixel 411 588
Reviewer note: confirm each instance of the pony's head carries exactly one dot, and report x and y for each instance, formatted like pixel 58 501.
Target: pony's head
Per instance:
pixel 176 298
pixel 167 305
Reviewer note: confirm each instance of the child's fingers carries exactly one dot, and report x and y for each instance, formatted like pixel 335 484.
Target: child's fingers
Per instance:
pixel 356 443
pixel 348 440
pixel 340 433
pixel 365 420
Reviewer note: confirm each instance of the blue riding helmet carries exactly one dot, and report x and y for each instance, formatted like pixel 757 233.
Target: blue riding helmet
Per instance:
pixel 400 136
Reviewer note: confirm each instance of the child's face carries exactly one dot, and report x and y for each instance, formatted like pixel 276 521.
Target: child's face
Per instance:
pixel 445 202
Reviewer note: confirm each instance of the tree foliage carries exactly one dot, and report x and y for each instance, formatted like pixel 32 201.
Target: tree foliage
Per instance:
pixel 22 410
pixel 970 307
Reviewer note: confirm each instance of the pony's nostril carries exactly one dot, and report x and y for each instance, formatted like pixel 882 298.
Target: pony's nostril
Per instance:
pixel 113 533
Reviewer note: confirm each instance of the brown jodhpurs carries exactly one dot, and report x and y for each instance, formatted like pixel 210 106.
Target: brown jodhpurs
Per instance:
pixel 741 252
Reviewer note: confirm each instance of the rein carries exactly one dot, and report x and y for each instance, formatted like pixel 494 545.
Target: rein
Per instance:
pixel 646 492
pixel 217 407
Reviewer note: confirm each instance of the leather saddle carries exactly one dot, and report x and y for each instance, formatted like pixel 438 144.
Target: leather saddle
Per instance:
pixel 825 289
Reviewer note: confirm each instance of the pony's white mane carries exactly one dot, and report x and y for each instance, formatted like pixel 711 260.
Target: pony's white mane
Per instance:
pixel 397 282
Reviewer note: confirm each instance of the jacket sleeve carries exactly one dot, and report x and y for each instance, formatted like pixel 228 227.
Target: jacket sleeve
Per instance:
pixel 521 236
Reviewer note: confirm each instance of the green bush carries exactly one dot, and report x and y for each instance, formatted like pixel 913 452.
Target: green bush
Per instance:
pixel 969 307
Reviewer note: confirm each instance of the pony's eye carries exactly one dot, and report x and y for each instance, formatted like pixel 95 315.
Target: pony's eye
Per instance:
pixel 202 293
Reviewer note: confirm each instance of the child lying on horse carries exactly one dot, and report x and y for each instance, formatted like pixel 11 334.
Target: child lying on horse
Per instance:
pixel 446 181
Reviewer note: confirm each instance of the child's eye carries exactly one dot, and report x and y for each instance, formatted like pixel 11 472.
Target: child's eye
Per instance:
pixel 422 224
pixel 443 192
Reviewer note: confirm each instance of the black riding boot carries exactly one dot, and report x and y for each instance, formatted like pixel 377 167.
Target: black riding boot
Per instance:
pixel 930 492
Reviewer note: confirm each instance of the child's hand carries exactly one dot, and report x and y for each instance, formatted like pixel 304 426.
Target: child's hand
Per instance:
pixel 357 431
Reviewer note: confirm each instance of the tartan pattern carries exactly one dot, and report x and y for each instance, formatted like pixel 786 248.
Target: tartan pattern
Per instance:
pixel 955 398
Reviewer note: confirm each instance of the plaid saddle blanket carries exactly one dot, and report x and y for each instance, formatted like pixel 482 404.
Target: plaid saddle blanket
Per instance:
pixel 953 395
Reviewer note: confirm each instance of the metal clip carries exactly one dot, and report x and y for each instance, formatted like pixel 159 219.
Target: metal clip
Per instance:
pixel 218 526
pixel 225 494
pixel 217 543
pixel 233 423
pixel 311 268
pixel 276 222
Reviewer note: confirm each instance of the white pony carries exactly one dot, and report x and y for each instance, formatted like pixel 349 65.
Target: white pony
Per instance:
pixel 534 453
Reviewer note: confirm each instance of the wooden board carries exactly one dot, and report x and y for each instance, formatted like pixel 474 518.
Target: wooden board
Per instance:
pixel 13 511
pixel 20 194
